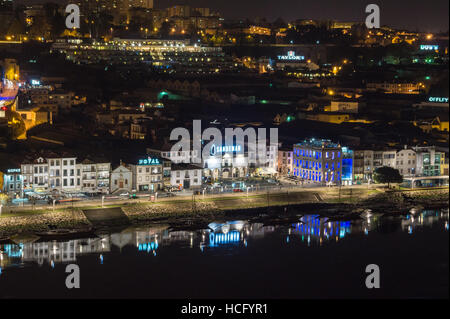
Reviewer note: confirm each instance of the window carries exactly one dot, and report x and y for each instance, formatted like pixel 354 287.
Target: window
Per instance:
pixel 65 162
pixel 72 162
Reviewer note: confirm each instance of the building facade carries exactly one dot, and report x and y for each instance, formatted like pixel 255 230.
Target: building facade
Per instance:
pixel 148 174
pixel 121 179
pixel 318 161
pixel 186 176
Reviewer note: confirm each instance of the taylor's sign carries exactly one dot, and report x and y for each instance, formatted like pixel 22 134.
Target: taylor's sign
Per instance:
pixel 291 57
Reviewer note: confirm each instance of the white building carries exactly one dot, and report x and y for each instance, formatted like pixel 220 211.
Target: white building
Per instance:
pixel 54 172
pixel 95 177
pixel 406 162
pixel 121 179
pixel 186 176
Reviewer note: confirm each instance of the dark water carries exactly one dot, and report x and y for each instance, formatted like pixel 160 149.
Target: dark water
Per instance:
pixel 314 258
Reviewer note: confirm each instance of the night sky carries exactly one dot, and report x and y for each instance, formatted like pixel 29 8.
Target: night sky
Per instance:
pixel 421 15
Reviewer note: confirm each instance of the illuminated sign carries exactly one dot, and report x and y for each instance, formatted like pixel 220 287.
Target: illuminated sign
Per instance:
pixel 13 170
pixel 429 47
pixel 35 82
pixel 228 238
pixel 225 149
pixel 438 99
pixel 149 161
pixel 291 57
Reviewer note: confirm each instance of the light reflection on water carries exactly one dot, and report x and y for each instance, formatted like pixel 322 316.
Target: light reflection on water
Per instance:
pixel 311 230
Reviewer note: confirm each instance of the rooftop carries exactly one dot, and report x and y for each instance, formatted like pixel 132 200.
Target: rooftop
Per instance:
pixel 312 142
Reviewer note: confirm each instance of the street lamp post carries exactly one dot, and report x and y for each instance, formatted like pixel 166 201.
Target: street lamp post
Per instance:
pixel 103 199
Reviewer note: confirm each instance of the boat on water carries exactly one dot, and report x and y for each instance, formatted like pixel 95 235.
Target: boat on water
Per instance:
pixel 67 234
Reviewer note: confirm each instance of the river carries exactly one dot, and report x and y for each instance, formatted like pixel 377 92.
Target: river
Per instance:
pixel 314 258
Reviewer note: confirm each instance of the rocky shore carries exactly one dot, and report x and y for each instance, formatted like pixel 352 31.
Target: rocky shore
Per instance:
pixel 192 215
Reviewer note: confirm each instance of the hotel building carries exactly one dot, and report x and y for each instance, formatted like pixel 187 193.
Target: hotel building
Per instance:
pixel 318 161
pixel 147 174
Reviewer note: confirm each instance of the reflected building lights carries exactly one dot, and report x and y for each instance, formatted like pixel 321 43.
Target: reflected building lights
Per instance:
pixel 312 230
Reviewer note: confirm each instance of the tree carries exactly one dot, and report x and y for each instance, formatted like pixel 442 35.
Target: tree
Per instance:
pixel 387 175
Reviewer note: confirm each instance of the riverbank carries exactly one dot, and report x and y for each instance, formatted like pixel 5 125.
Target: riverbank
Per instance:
pixel 194 213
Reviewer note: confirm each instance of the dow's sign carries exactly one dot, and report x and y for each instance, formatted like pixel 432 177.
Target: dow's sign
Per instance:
pixel 429 47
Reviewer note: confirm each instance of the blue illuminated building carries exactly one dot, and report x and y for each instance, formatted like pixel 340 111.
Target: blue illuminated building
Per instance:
pixel 318 160
pixel 347 166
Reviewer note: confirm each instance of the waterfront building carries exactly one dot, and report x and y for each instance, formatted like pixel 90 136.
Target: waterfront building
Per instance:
pixel 186 176
pixel 363 166
pixel 147 174
pixel 121 179
pixel 285 161
pixel 63 173
pixel 429 161
pixel 12 181
pixel 96 176
pixel 347 166
pixel 406 162
pixel 318 161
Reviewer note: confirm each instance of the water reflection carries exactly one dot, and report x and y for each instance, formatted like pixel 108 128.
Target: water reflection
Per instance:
pixel 312 230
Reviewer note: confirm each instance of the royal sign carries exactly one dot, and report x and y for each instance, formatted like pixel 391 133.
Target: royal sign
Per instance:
pixel 149 161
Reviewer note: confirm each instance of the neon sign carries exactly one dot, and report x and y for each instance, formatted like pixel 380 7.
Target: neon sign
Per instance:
pixel 13 170
pixel 429 47
pixel 291 56
pixel 224 149
pixel 149 161
pixel 438 99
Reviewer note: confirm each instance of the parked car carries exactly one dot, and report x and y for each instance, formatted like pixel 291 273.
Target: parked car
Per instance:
pixel 237 190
